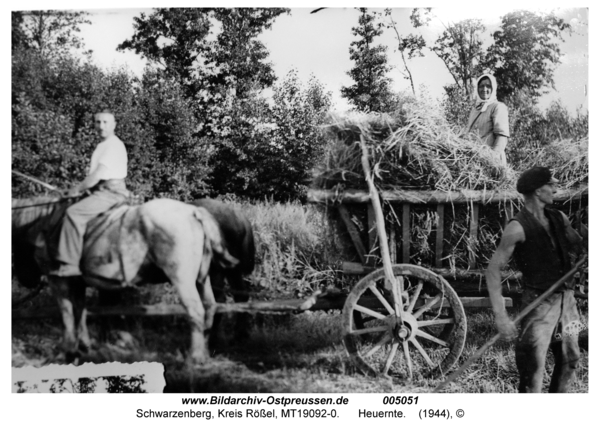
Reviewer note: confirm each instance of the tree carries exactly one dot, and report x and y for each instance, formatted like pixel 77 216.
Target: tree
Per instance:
pixel 239 147
pixel 410 46
pixel 525 52
pixel 238 66
pixel 371 89
pixel 41 39
pixel 174 39
pixel 181 165
pixel 216 72
pixel 19 39
pixel 52 33
pixel 238 54
pixel 296 142
pixel 269 151
pixel 460 47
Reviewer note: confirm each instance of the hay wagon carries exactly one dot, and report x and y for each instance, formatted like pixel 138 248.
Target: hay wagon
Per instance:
pixel 421 208
pixel 407 312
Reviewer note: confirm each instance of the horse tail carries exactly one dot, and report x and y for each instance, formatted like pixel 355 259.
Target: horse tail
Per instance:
pixel 213 242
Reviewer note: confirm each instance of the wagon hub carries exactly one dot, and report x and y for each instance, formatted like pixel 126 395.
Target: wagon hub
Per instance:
pixel 402 332
pixel 405 330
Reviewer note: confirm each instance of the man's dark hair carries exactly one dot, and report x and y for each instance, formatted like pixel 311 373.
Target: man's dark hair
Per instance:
pixel 533 178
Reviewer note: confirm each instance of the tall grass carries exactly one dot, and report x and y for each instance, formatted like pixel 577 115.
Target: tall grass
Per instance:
pixel 297 250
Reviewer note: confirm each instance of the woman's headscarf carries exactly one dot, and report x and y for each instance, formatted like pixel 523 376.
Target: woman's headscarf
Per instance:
pixel 482 104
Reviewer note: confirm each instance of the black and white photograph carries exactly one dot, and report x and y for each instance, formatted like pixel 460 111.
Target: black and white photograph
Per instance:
pixel 286 201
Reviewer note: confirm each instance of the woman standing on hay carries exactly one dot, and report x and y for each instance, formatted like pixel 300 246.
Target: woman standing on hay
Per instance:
pixel 489 117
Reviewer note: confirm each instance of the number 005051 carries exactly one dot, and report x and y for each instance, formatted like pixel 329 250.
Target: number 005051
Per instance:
pixel 400 400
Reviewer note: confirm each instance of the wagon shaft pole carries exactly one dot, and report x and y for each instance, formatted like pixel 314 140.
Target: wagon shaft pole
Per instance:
pixel 380 223
pixel 517 319
pixel 35 180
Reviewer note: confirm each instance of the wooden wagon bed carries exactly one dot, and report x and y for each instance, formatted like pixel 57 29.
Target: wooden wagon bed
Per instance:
pixel 438 201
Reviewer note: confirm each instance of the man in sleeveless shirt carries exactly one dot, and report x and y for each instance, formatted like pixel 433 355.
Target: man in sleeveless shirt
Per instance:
pixel 539 238
pixel 106 181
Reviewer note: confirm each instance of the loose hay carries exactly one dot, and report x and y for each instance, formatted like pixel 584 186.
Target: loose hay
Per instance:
pixel 414 149
pixel 568 159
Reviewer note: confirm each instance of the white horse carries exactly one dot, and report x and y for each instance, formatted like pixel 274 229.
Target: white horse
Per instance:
pixel 159 241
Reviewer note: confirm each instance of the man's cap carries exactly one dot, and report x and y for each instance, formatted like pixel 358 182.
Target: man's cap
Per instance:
pixel 534 178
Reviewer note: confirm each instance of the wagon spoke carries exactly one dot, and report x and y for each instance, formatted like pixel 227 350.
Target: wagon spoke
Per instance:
pixel 390 358
pixel 384 339
pixel 433 322
pixel 415 296
pixel 381 298
pixel 433 301
pixel 429 337
pixel 408 360
pixel 369 330
pixel 369 312
pixel 423 352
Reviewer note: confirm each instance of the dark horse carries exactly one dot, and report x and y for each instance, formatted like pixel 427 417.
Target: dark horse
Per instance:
pixel 238 238
pixel 161 240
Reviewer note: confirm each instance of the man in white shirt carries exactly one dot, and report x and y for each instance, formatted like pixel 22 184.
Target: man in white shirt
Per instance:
pixel 106 180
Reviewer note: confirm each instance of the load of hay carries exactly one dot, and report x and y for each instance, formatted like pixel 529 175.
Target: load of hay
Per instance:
pixel 413 149
pixel 417 149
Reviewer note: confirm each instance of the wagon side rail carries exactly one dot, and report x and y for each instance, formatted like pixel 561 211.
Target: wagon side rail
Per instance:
pixel 441 200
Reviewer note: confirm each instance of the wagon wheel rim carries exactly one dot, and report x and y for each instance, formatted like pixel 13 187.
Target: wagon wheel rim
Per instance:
pixel 430 337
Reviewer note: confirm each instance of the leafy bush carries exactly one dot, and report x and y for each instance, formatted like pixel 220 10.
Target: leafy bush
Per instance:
pixel 52 127
pixel 240 148
pixel 180 168
pixel 43 147
pixel 532 129
pixel 268 151
pixel 456 106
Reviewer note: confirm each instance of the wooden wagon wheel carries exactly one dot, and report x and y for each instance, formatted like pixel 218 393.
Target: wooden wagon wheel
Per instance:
pixel 430 337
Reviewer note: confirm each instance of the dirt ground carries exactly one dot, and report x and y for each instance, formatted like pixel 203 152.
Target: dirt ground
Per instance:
pixel 273 354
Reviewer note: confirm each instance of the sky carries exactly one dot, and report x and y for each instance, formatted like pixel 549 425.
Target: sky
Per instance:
pixel 318 44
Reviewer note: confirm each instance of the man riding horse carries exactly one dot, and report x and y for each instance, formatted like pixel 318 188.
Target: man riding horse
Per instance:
pixel 106 181
pixel 159 241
